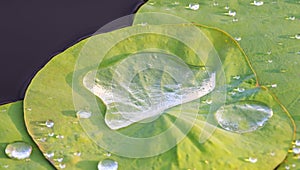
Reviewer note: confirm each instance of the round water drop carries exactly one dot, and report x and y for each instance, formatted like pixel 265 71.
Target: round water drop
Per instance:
pixel 235 20
pixel 257 3
pixel 51 134
pixel 226 7
pixel 215 4
pixel 83 114
pixel 297 36
pixel 18 150
pixel 238 38
pixel 296 150
pixel 237 77
pixel 269 52
pixel 62 166
pixel 107 164
pixel 252 159
pixel 297 142
pixel 49 123
pixel 49 154
pixel 242 117
pixel 292 18
pixel 193 6
pixel 272 153
pixel 270 61
pixel 293 165
pixel 287 167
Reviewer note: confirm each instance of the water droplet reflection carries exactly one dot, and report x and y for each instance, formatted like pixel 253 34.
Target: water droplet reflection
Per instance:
pixel 193 6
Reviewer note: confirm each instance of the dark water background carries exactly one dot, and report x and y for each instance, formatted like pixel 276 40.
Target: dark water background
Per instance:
pixel 33 31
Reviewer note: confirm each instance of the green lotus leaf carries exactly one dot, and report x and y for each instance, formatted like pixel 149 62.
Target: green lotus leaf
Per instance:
pixel 268 32
pixel 74 142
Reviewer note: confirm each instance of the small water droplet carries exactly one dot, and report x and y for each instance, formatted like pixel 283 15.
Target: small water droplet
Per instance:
pixel 226 7
pixel 238 38
pixel 235 20
pixel 29 109
pixel 287 167
pixel 270 61
pixel 208 101
pixel 272 153
pixel 232 93
pixel 18 150
pixel 49 123
pixel 298 53
pixel 273 85
pixel 83 114
pixel 60 136
pixel 58 159
pixel 176 3
pixel 77 153
pixel 292 18
pixel 108 154
pixel 193 6
pixel 62 166
pixel 252 159
pixel 269 52
pixel 49 154
pixel 107 164
pixel 296 150
pixel 240 90
pixel 237 77
pixel 293 165
pixel 43 139
pixel 50 134
pixel 257 3
pixel 297 142
pixel 215 4
pixel 231 13
pixel 297 36
pixel 242 117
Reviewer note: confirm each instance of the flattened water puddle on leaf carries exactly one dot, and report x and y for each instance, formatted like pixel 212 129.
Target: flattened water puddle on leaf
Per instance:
pixel 18 150
pixel 245 116
pixel 142 87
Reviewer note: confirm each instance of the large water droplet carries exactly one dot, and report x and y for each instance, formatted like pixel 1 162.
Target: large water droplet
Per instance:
pixel 107 164
pixel 193 6
pixel 242 117
pixel 131 101
pixel 18 150
pixel 49 123
pixel 257 3
pixel 83 114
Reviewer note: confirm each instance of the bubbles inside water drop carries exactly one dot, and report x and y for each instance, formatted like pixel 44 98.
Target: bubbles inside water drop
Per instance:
pixel 193 6
pixel 49 123
pixel 18 150
pixel 242 117
pixel 83 114
pixel 107 164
